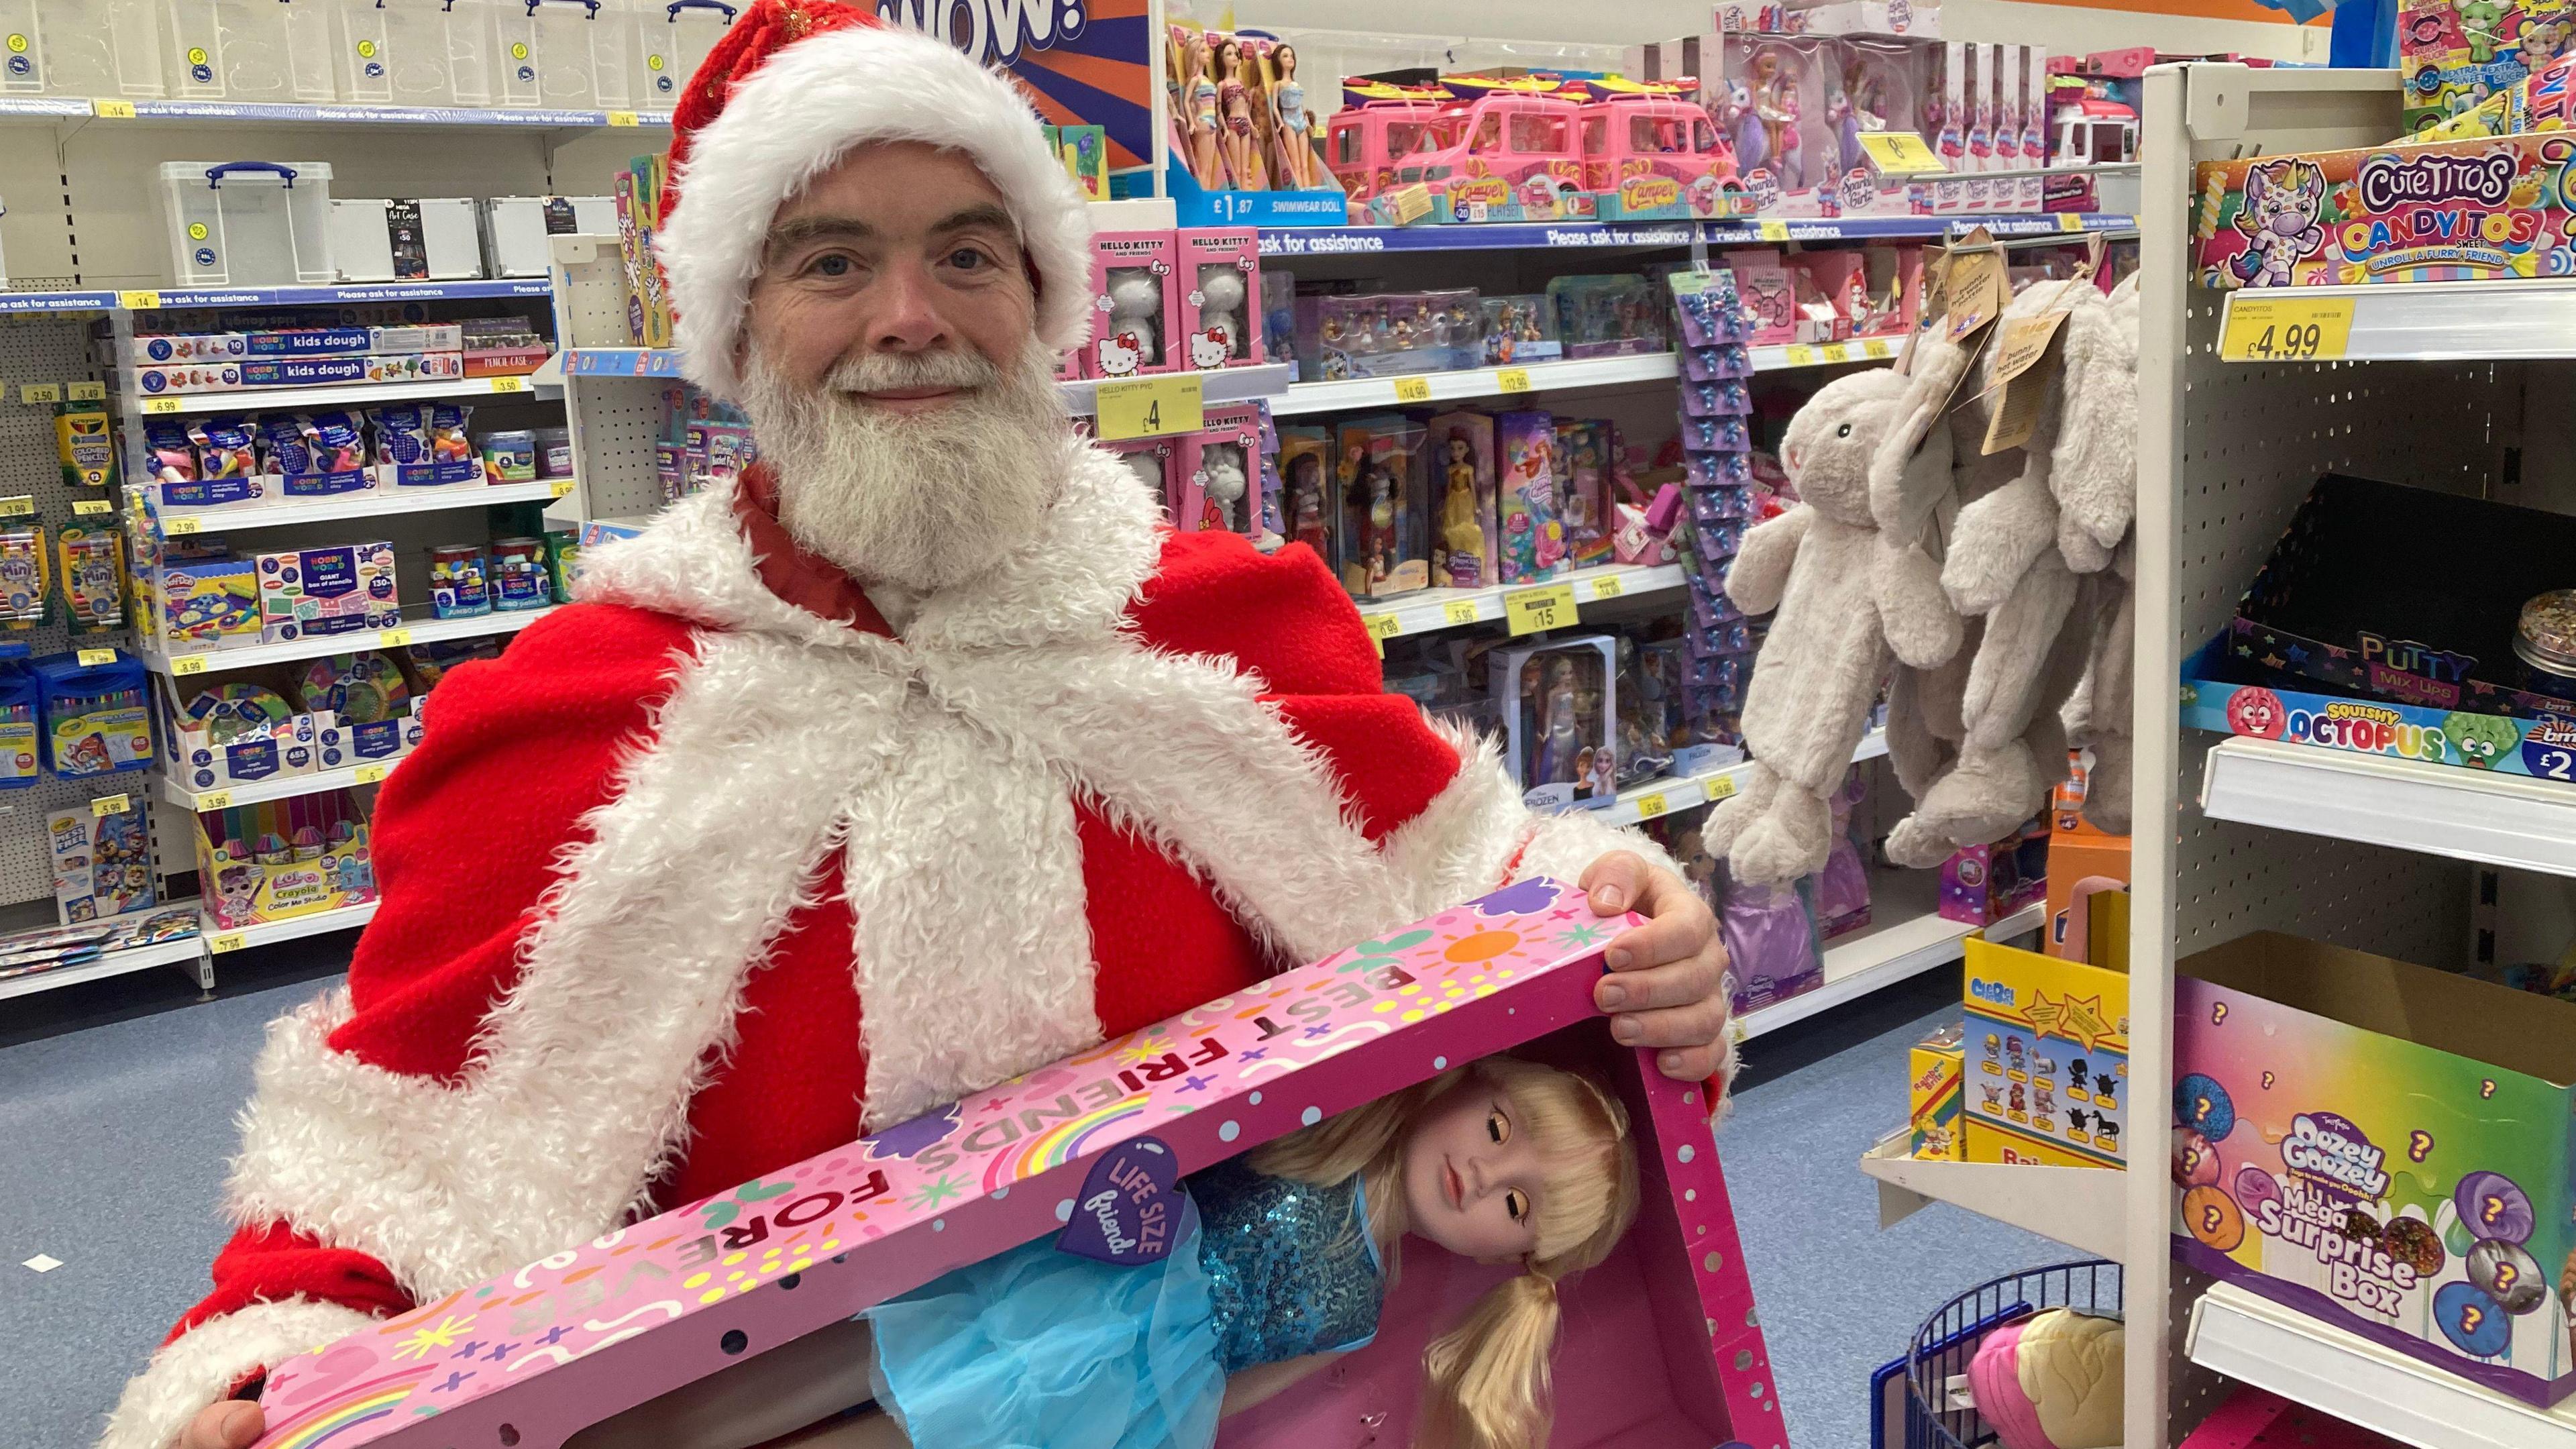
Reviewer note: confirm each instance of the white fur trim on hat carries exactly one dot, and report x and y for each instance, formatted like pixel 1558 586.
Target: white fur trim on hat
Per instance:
pixel 801 111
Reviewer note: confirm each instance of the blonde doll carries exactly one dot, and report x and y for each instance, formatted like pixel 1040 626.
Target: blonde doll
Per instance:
pixel 1283 1265
pixel 1197 114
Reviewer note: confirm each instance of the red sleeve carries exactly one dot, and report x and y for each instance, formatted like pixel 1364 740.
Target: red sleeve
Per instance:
pixel 1285 618
pixel 274 1263
pixel 467 831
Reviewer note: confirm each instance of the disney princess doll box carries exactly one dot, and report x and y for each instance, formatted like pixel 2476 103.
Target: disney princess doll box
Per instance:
pixel 2444 211
pixel 1074 1169
pixel 2382 1146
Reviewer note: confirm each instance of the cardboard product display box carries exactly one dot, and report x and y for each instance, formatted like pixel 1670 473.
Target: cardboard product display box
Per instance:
pixel 2239 696
pixel 2046 1059
pixel 1661 1344
pixel 2383 1146
pixel 2442 211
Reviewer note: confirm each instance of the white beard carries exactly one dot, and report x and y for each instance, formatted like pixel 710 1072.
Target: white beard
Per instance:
pixel 921 501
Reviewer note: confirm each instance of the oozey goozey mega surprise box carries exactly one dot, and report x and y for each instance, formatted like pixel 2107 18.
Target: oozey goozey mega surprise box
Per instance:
pixel 1661 1344
pixel 2383 1146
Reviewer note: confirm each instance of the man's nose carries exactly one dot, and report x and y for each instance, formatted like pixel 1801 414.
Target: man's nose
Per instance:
pixel 907 316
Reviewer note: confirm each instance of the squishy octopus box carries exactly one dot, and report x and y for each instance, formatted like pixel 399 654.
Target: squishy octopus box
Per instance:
pixel 1659 1343
pixel 2384 1146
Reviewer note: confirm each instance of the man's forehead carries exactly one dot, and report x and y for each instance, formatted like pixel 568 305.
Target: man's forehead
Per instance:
pixel 900 186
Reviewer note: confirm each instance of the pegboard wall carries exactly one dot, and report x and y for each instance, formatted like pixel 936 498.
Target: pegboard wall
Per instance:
pixel 54 350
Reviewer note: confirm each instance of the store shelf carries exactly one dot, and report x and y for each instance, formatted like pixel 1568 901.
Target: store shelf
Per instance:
pixel 113 963
pixel 1226 385
pixel 378 503
pixel 1825 354
pixel 620 362
pixel 251 113
pixel 426 631
pixel 1905 939
pixel 2268 1345
pixel 2085 1208
pixel 1431 610
pixel 345 395
pixel 2495 321
pixel 1480 382
pixel 280 787
pixel 344 294
pixel 320 923
pixel 2510 820
pixel 1325 241
pixel 55 303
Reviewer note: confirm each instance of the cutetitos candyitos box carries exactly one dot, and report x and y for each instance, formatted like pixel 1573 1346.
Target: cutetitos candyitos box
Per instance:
pixel 2384 1146
pixel 1112 1168
pixel 2470 210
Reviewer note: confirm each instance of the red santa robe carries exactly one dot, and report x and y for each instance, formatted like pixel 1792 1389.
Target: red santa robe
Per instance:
pixel 711 872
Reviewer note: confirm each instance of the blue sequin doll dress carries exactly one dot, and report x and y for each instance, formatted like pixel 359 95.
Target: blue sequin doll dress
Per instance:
pixel 1041 1349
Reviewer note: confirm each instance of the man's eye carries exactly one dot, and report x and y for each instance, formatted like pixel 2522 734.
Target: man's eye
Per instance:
pixel 831 264
pixel 1517 1206
pixel 967 259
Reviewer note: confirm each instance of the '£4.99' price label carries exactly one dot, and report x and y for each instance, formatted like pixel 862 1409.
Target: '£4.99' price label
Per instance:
pixel 2285 329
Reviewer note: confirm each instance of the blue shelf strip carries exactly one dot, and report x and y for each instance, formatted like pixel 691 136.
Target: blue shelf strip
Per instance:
pixel 357 292
pixel 1317 241
pixel 256 112
pixel 28 303
pixel 621 362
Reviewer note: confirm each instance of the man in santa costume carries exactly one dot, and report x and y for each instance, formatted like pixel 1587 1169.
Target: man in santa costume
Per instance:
pixel 926 756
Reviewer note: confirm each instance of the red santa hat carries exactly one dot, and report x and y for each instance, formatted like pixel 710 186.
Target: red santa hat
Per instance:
pixel 793 86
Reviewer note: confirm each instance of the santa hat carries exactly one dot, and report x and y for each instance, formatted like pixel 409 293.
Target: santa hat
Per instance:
pixel 792 87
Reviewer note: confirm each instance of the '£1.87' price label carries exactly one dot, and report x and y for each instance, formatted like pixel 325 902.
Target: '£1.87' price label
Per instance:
pixel 2285 329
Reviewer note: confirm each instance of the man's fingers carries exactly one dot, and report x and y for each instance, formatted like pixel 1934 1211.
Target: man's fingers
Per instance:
pixel 1680 983
pixel 1615 882
pixel 1696 1025
pixel 1677 934
pixel 234 1425
pixel 1691 1064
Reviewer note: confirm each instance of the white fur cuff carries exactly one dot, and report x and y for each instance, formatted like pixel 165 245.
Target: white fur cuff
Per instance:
pixel 1565 846
pixel 199 1367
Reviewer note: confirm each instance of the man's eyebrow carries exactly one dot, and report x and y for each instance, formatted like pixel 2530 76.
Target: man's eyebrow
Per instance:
pixel 798 230
pixel 983 214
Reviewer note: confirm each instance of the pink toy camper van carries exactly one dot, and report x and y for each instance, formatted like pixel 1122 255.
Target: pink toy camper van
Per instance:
pixel 1508 152
pixel 1381 127
pixel 1651 154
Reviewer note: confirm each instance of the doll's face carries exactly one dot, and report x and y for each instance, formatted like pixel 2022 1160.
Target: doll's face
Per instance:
pixel 1472 1176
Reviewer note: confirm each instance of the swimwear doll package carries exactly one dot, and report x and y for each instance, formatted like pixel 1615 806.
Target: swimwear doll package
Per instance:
pixel 1358 1192
pixel 1220 288
pixel 1558 701
pixel 1136 292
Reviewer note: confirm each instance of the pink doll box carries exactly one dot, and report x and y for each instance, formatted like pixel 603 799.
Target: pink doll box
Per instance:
pixel 1769 293
pixel 1525 500
pixel 1153 461
pixel 1661 1345
pixel 1135 289
pixel 1559 701
pixel 1229 438
pixel 1214 266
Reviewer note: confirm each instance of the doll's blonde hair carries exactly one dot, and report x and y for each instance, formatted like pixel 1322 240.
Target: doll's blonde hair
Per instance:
pixel 1486 1381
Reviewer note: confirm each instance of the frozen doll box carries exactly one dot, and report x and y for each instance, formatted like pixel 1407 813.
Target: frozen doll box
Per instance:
pixel 2382 1146
pixel 1660 1344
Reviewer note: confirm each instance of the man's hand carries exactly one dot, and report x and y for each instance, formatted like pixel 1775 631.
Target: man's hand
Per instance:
pixel 232 1424
pixel 1667 981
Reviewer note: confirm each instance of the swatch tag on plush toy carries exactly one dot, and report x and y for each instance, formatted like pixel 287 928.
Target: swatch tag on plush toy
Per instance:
pixel 1131 1206
pixel 2021 379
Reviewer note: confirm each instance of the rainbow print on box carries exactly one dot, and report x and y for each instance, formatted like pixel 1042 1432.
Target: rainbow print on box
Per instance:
pixel 2411 1188
pixel 603 1325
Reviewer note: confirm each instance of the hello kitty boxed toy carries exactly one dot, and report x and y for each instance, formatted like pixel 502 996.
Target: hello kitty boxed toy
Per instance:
pixel 1220 281
pixel 1213 472
pixel 1151 460
pixel 1135 289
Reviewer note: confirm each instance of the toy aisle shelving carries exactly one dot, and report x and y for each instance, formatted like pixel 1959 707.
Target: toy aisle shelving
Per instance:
pixel 2508 820
pixel 2082 1207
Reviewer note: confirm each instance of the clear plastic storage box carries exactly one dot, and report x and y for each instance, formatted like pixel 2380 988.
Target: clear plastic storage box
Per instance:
pixel 276 51
pixel 249 223
pixel 374 239
pixel 515 229
pixel 102 47
pixel 670 41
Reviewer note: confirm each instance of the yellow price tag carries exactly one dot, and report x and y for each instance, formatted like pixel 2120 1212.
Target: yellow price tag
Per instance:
pixel 1774 230
pixel 188 664
pixel 92 505
pixel 1459 611
pixel 1836 351
pixel 1650 806
pixel 106 805
pixel 1512 379
pixel 2070 221
pixel 138 301
pixel 86 392
pixel 1151 407
pixel 92 658
pixel 1801 355
pixel 561 487
pixel 215 800
pixel 1878 347
pixel 1530 610
pixel 158 405
pixel 177 524
pixel 392 638
pixel 107 110
pixel 18 507
pixel 508 384
pixel 40 392
pixel 621 118
pixel 1413 389
pixel 1381 627
pixel 1608 588
pixel 228 941
pixel 2285 329
pixel 1900 153
pixel 1721 788
pixel 370 774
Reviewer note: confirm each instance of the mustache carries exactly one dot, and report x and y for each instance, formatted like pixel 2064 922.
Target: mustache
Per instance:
pixel 887 372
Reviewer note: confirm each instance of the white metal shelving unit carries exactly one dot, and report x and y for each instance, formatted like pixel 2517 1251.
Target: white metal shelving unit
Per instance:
pixel 379 503
pixel 2496 819
pixel 422 631
pixel 2082 1207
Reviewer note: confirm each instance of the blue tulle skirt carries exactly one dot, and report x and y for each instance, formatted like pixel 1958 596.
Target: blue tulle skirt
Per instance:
pixel 1039 1349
